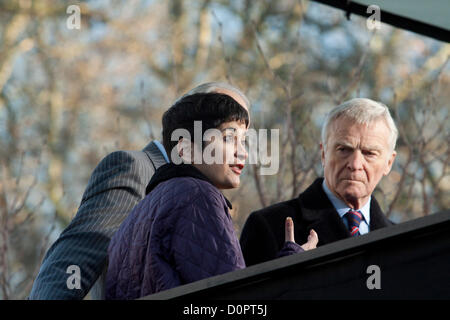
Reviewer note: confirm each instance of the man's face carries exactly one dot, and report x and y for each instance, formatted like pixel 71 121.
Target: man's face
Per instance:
pixel 355 159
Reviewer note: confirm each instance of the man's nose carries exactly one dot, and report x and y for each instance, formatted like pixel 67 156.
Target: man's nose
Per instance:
pixel 355 161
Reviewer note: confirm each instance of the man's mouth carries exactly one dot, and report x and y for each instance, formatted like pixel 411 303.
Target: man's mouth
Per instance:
pixel 351 180
pixel 237 168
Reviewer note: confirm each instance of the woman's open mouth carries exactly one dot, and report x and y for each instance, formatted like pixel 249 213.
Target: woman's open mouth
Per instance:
pixel 237 168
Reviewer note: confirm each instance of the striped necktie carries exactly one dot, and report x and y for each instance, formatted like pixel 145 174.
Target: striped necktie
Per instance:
pixel 354 219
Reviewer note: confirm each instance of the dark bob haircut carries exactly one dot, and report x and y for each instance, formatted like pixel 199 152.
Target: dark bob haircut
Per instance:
pixel 212 109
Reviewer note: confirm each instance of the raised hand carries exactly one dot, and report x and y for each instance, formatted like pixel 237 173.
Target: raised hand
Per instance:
pixel 313 238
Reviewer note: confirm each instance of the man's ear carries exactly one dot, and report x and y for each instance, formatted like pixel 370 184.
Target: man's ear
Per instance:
pixel 390 163
pixel 322 153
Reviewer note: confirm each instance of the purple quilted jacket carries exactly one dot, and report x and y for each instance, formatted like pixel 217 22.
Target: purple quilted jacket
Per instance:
pixel 181 232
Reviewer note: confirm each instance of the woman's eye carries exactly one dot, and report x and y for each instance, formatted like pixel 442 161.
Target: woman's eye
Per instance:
pixel 228 138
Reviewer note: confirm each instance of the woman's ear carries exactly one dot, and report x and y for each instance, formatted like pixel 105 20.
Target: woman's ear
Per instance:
pixel 184 150
pixel 180 148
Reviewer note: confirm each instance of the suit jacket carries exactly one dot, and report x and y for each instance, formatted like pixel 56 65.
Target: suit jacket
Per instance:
pixel 117 184
pixel 263 233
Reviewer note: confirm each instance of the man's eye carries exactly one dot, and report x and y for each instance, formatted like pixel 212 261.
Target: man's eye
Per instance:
pixel 369 153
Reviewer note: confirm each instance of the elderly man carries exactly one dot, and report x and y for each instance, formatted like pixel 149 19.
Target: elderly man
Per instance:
pixel 118 183
pixel 358 142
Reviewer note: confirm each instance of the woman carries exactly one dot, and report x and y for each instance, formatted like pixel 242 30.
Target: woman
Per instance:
pixel 182 231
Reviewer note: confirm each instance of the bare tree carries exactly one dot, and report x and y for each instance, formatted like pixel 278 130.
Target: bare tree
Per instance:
pixel 68 97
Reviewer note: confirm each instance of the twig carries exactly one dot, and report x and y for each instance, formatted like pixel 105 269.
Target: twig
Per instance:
pixel 228 67
pixel 259 186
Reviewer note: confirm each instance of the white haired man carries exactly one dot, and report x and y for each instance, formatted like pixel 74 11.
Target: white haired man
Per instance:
pixel 79 256
pixel 358 149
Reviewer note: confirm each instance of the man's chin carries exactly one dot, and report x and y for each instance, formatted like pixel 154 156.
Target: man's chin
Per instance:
pixel 352 191
pixel 354 197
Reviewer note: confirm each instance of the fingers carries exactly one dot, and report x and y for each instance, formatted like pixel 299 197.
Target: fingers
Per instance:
pixel 313 239
pixel 289 230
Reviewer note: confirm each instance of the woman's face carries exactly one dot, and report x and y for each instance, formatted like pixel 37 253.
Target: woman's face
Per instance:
pixel 224 155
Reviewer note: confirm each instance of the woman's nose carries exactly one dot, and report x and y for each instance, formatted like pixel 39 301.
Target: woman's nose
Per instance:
pixel 241 152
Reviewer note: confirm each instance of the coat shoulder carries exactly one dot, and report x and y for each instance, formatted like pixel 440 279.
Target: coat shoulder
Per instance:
pixel 307 199
pixel 277 210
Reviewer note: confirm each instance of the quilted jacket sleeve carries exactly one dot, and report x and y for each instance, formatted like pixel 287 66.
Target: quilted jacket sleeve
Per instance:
pixel 204 243
pixel 289 248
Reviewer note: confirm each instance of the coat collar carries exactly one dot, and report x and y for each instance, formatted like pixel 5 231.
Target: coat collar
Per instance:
pixel 170 170
pixel 319 214
pixel 156 153
pixel 342 208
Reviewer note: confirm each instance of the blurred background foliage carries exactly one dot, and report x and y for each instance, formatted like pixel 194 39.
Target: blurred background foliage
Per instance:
pixel 69 97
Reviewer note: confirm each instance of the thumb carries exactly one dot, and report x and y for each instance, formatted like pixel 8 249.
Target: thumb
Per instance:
pixel 289 230
pixel 313 239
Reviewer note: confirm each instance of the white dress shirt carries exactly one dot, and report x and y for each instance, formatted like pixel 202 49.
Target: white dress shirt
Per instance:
pixel 163 151
pixel 342 209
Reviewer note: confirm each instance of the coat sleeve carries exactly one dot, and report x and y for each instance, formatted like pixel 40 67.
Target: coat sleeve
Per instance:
pixel 115 187
pixel 204 243
pixel 258 242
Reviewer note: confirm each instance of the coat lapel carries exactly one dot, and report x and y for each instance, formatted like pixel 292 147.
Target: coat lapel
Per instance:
pixel 377 218
pixel 319 214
